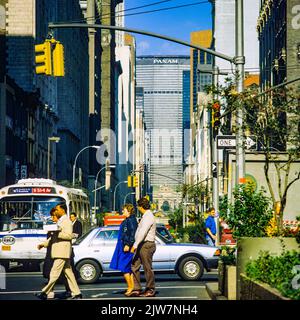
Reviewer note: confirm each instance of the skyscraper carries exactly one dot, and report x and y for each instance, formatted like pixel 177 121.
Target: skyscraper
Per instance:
pixel 162 79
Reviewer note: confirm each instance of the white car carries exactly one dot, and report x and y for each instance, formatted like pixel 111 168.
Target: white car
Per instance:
pixel 94 251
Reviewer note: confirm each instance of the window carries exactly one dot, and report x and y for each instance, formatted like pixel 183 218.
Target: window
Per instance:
pixel 106 235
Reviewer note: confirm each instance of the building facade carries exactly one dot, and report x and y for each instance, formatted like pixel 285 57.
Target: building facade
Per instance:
pixel 162 80
pixel 26 25
pixel 223 12
pixel 279 42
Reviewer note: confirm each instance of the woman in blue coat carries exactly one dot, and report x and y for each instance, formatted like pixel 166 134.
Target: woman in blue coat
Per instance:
pixel 122 256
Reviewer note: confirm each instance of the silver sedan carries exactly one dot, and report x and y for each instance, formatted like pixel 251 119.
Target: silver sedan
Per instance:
pixel 94 251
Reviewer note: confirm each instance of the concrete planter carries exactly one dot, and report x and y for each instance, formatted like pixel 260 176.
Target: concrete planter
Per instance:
pixel 249 248
pixel 227 280
pixel 230 283
pixel 253 290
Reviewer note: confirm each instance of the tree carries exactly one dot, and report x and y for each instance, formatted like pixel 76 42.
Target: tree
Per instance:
pixel 250 213
pixel 274 118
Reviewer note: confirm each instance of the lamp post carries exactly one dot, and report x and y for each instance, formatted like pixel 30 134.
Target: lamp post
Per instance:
pixel 95 188
pixel 74 166
pixel 128 194
pixel 54 139
pixel 115 192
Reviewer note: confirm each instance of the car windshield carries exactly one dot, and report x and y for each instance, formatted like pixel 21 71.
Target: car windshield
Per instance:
pixel 163 233
pixel 28 212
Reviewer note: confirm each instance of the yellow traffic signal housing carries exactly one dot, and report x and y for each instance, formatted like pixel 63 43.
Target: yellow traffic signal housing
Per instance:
pixel 58 60
pixel 43 58
pixel 129 181
pixel 135 181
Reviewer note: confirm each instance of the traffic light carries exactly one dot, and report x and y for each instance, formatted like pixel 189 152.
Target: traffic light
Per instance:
pixel 58 59
pixel 129 181
pixel 216 122
pixel 107 175
pixel 43 58
pixel 135 181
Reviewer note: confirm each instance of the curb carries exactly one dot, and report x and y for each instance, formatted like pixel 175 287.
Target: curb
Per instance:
pixel 213 291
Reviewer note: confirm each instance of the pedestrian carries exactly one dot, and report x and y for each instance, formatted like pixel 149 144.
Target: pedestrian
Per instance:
pixel 122 257
pixel 210 227
pixel 60 242
pixel 77 225
pixel 144 248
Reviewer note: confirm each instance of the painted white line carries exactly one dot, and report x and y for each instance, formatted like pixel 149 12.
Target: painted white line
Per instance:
pixel 140 298
pixel 101 289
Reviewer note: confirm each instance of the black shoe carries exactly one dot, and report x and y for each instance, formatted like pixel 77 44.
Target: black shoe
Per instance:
pixel 41 295
pixel 77 297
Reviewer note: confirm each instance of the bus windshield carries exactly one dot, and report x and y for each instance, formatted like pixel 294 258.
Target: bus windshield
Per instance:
pixel 26 212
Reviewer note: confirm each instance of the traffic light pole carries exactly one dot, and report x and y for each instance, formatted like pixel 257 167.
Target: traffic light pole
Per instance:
pixel 240 68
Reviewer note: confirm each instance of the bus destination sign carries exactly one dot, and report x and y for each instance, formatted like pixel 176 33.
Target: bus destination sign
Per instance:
pixel 28 190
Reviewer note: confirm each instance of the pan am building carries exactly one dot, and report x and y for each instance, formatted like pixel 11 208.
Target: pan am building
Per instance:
pixel 166 86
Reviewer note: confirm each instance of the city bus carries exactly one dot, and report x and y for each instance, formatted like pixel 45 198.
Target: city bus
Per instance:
pixel 25 215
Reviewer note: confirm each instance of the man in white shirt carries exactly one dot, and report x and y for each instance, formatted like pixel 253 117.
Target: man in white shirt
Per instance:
pixel 144 248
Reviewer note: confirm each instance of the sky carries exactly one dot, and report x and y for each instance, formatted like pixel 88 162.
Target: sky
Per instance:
pixel 177 23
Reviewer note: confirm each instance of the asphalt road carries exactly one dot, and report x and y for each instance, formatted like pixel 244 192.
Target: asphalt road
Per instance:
pixel 23 285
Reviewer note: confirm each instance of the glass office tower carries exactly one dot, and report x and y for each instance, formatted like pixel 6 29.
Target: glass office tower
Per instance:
pixel 163 79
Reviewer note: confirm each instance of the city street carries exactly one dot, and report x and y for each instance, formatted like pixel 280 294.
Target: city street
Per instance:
pixel 23 285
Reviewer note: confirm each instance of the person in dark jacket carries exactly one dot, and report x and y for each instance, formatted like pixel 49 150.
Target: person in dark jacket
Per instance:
pixel 122 257
pixel 77 225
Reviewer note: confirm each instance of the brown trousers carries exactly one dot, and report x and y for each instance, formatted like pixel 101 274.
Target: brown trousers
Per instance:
pixel 144 256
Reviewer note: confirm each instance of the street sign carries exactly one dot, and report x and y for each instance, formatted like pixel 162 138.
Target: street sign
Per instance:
pixel 229 142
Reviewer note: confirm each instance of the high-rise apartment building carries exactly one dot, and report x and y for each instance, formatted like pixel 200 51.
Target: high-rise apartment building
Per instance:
pixel 26 25
pixel 162 80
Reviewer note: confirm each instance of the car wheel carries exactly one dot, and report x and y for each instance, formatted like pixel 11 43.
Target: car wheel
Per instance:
pixel 190 268
pixel 89 271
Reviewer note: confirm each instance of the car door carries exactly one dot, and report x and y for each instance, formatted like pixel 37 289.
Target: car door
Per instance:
pixel 161 257
pixel 103 246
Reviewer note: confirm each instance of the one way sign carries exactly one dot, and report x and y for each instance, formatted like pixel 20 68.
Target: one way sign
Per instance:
pixel 229 142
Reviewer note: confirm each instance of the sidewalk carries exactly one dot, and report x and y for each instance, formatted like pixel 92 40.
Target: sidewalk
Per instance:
pixel 213 292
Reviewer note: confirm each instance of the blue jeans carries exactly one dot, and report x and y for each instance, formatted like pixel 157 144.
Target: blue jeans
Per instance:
pixel 210 241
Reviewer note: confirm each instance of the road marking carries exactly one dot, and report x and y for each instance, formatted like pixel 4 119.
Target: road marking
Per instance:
pixel 140 298
pixel 101 289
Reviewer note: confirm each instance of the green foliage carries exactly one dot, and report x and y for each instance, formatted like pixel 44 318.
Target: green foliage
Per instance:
pixel 165 206
pixel 277 271
pixel 228 255
pixel 196 233
pixel 175 218
pixel 249 214
pixel 223 206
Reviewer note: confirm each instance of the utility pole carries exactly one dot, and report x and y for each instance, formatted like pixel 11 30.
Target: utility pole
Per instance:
pixel 240 69
pixel 90 13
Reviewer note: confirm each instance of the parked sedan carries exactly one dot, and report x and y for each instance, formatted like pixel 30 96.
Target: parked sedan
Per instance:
pixel 93 253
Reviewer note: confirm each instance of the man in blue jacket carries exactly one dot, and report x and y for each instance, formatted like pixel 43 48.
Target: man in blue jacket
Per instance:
pixel 210 228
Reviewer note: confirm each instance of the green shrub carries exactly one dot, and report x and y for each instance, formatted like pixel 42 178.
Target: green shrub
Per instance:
pixel 249 214
pixel 196 233
pixel 277 271
pixel 228 255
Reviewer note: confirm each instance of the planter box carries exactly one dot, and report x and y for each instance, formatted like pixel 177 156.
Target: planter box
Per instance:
pixel 253 290
pixel 230 283
pixel 227 280
pixel 249 248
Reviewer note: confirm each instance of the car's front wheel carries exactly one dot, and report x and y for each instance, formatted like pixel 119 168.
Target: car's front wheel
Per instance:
pixel 89 271
pixel 190 268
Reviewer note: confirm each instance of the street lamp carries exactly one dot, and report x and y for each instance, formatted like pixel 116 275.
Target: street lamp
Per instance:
pixel 74 166
pixel 96 182
pixel 56 140
pixel 115 192
pixel 128 194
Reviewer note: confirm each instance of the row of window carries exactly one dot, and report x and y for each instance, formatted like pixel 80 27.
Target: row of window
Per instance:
pixel 163 92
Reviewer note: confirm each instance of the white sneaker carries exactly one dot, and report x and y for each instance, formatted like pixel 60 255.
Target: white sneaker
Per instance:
pixel 50 295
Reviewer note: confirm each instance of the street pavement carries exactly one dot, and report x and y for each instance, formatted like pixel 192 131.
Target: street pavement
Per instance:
pixel 23 285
